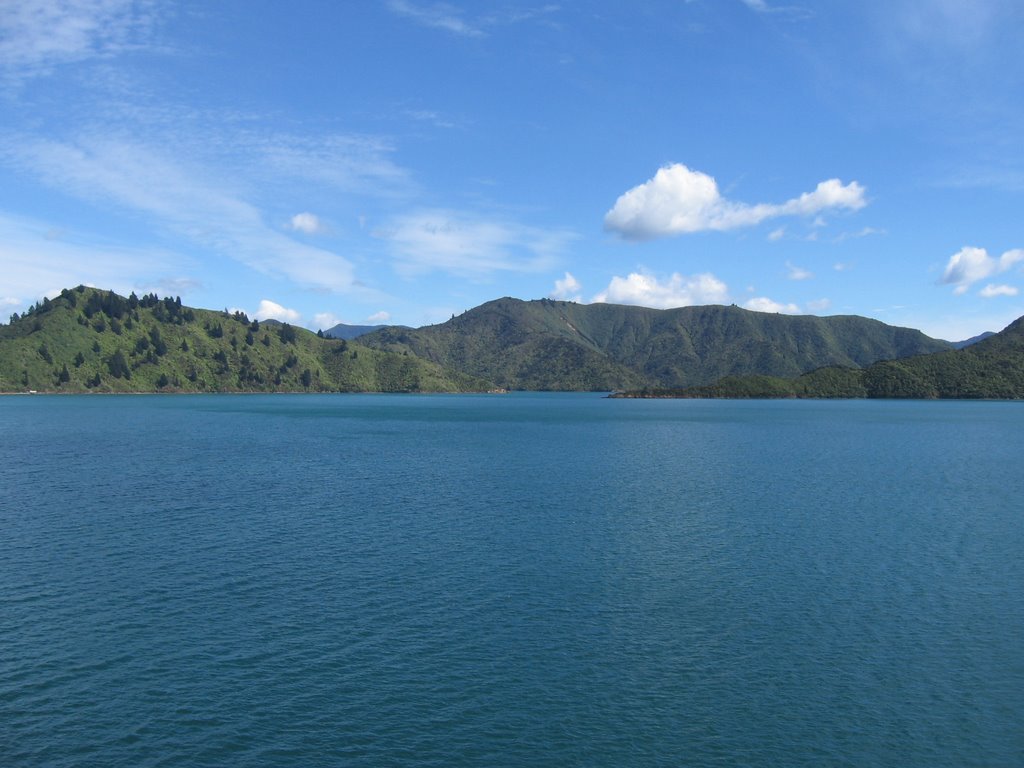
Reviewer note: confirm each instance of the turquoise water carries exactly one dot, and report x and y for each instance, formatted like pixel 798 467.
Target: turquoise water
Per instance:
pixel 541 580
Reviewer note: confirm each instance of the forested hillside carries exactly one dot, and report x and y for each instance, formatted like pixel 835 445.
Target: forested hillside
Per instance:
pixel 88 340
pixel 557 345
pixel 990 369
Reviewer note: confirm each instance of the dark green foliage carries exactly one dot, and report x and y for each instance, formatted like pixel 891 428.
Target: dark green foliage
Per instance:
pixel 162 351
pixel 44 352
pixel 118 366
pixel 286 333
pixel 561 345
pixel 990 369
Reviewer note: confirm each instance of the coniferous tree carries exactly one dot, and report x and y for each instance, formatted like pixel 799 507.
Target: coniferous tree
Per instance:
pixel 118 366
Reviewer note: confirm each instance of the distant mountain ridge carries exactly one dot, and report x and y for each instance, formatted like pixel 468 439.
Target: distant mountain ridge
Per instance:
pixel 992 368
pixel 557 345
pixel 973 340
pixel 350 332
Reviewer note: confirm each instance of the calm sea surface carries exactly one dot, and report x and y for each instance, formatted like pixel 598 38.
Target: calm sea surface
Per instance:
pixel 540 580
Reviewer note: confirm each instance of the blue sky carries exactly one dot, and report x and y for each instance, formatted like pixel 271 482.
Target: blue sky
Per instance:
pixel 402 161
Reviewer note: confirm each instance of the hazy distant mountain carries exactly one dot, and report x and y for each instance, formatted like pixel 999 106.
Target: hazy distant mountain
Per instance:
pixel 557 345
pixel 972 340
pixel 88 340
pixel 349 332
pixel 989 369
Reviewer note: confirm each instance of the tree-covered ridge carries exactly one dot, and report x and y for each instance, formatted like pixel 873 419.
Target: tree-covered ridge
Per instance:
pixel 559 345
pixel 990 369
pixel 89 340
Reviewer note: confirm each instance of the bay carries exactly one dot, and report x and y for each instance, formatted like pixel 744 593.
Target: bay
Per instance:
pixel 531 579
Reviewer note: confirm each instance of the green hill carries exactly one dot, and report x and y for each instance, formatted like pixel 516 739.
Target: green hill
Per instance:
pixel 89 340
pixel 990 369
pixel 557 345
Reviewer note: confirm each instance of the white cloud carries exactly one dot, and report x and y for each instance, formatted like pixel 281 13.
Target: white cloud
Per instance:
pixel 323 320
pixel 646 290
pixel 308 223
pixel 463 244
pixel 864 232
pixel 764 304
pixel 186 198
pixel 271 310
pixel 819 305
pixel 777 234
pixel 840 267
pixel 36 35
pixel 36 258
pixel 679 200
pixel 991 290
pixel 437 16
pixel 798 273
pixel 378 318
pixel 350 163
pixel 969 265
pixel 567 289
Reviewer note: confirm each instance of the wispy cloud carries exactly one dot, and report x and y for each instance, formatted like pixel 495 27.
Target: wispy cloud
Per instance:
pixel 457 21
pixel 646 290
pixel 350 163
pixel 679 200
pixel 185 199
pixel 470 245
pixel 38 261
pixel 437 16
pixel 792 11
pixel 797 273
pixel 37 35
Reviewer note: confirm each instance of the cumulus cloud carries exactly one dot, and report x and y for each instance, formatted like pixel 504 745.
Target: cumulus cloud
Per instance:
pixel 764 304
pixel 468 245
pixel 819 305
pixel 324 320
pixel 679 200
pixel 378 318
pixel 991 290
pixel 647 290
pixel 308 223
pixel 798 273
pixel 969 265
pixel 271 310
pixel 567 289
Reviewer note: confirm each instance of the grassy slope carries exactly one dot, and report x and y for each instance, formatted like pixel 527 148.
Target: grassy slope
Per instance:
pixel 561 345
pixel 170 348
